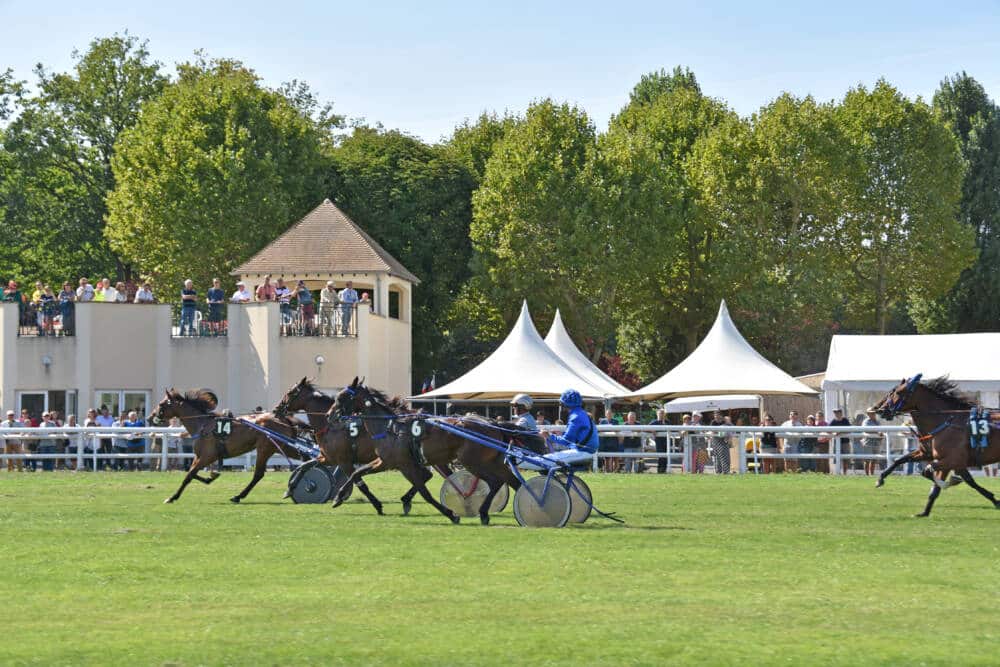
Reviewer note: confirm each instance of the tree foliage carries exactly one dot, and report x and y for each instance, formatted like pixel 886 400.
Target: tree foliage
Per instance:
pixel 216 168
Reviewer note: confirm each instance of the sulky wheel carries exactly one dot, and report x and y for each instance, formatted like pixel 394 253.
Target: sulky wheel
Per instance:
pixel 541 503
pixel 580 497
pixel 315 485
pixel 463 493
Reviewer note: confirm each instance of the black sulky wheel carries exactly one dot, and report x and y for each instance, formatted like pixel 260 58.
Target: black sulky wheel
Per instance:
pixel 540 507
pixel 468 497
pixel 315 485
pixel 580 496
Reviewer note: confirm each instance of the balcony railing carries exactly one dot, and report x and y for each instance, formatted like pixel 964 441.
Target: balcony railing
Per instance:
pixel 49 319
pixel 202 321
pixel 339 321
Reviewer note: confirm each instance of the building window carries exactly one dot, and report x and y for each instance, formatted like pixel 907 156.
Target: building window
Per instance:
pixel 122 401
pixel 62 401
pixel 394 304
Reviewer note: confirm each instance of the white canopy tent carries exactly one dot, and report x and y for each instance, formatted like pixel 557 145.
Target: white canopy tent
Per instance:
pixel 861 369
pixel 522 363
pixel 559 341
pixel 724 363
pixel 709 403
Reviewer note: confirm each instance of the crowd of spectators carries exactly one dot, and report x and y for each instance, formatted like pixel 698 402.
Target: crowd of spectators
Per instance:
pixel 135 444
pixel 49 313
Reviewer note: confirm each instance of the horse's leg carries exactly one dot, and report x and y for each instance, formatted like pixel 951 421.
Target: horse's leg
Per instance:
pixel 416 475
pixel 971 481
pixel 358 472
pixel 938 481
pixel 407 498
pixel 909 457
pixel 363 488
pixel 259 468
pixel 192 473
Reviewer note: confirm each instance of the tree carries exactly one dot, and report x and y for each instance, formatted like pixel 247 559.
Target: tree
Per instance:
pixel 901 233
pixel 534 228
pixel 60 146
pixel 416 200
pixel 657 83
pixel 474 143
pixel 215 169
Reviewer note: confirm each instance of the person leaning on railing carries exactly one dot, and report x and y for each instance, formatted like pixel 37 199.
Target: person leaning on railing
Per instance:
pixel 12 445
pixel 328 301
pixel 348 299
pixel 67 308
pixel 189 299
pixel 307 308
pixel 144 294
pixel 769 445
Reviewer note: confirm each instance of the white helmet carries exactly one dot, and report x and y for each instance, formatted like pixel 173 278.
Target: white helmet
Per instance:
pixel 522 400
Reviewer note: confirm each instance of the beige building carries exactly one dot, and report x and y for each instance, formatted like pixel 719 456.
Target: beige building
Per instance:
pixel 126 355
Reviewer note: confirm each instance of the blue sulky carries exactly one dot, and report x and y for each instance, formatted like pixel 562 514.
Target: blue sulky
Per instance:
pixel 541 501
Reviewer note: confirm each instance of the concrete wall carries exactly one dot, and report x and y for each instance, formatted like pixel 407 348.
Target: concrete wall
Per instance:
pixel 130 347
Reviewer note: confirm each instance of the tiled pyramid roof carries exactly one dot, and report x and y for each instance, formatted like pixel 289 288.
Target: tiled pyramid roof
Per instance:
pixel 324 241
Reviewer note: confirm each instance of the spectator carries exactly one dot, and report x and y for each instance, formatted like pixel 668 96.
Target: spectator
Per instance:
pixel 769 445
pixel 48 445
pixel 792 441
pixel 104 420
pixel 348 298
pixel 89 445
pixel 307 309
pixel 72 442
pixel 284 298
pixel 121 295
pixel 120 444
pixel 823 444
pixel 144 294
pixel 130 290
pixel 85 292
pixel 719 446
pixel 266 291
pixel 136 443
pixel 67 309
pixel 699 449
pixel 870 443
pixel 807 445
pixel 47 312
pixel 366 301
pixel 241 295
pixel 12 445
pixel 106 293
pixel 12 294
pixel 36 302
pixel 30 444
pixel 609 444
pixel 328 301
pixel 661 441
pixel 845 443
pixel 632 444
pixel 189 298
pixel 216 299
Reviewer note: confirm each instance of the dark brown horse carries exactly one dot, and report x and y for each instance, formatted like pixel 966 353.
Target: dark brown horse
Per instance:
pixel 942 418
pixel 340 443
pixel 435 446
pixel 196 410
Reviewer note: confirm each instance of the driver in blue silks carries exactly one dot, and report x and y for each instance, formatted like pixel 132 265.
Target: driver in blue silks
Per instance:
pixel 579 440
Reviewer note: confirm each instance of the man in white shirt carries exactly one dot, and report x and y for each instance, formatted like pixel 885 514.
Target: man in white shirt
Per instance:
pixel 327 307
pixel 348 298
pixel 145 294
pixel 242 294
pixel 109 294
pixel 11 446
pixel 792 442
pixel 85 292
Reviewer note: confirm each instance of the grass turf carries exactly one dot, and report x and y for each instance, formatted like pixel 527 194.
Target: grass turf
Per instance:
pixel 708 570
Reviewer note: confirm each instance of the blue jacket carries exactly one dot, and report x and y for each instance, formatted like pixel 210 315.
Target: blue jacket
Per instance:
pixel 580 432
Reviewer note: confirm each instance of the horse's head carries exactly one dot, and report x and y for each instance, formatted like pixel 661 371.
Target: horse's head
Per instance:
pixel 169 406
pixel 348 400
pixel 297 398
pixel 176 404
pixel 899 399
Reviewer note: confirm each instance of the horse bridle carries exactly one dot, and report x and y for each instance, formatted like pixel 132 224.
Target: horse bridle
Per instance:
pixel 891 410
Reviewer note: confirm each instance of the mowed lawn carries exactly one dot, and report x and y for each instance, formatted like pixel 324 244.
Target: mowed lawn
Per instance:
pixel 708 570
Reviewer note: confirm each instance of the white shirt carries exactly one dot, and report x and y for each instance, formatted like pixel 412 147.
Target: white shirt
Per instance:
pixel 241 295
pixel 328 295
pixel 791 440
pixel 110 295
pixel 144 296
pixel 85 292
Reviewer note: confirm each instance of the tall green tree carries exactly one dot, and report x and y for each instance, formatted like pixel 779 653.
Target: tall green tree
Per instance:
pixel 974 303
pixel 215 169
pixel 60 146
pixel 474 143
pixel 416 200
pixel 901 233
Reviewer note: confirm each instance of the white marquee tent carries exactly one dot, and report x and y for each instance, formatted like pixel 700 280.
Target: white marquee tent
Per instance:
pixel 861 369
pixel 559 341
pixel 724 363
pixel 522 363
pixel 710 403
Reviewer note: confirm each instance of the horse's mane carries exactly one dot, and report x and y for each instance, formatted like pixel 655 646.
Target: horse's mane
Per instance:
pixel 395 404
pixel 947 390
pixel 202 399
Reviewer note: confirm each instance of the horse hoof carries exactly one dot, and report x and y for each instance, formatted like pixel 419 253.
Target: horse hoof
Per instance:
pixel 235 500
pixel 168 501
pixel 406 508
pixel 379 510
pixel 214 474
pixel 922 515
pixel 484 519
pixel 337 503
pixel 455 519
pixel 879 483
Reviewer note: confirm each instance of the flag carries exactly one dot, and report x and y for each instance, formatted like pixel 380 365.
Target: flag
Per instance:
pixel 433 377
pixel 425 387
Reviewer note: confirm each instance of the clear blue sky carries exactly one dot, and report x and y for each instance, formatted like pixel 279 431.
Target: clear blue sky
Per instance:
pixel 424 66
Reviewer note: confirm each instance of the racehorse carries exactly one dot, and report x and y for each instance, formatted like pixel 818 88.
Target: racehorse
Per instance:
pixel 414 437
pixel 196 410
pixel 942 418
pixel 340 444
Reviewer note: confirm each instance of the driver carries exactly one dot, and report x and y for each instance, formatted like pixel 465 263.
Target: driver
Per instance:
pixel 579 440
pixel 522 416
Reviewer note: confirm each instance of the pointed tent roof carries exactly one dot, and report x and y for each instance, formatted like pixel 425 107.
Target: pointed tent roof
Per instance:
pixel 324 241
pixel 724 363
pixel 522 363
pixel 559 341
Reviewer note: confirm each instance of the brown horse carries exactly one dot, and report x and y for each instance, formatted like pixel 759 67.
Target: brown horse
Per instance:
pixel 196 410
pixel 942 418
pixel 340 444
pixel 401 447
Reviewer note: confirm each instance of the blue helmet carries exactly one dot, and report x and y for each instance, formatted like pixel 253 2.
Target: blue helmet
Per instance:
pixel 571 398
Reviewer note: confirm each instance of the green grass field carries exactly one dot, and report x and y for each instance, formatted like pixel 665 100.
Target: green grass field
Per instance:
pixel 708 570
